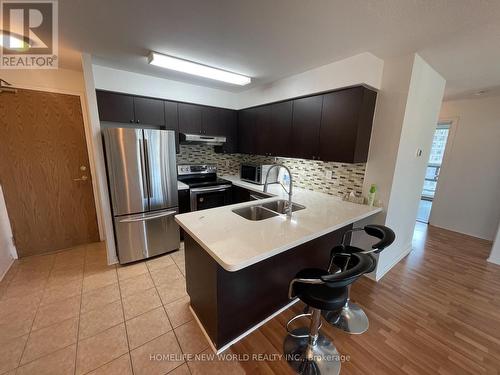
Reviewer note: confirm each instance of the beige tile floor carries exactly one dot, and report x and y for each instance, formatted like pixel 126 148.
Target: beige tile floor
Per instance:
pixel 70 313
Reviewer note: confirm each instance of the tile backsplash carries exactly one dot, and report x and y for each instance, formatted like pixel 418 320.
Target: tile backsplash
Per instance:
pixel 307 174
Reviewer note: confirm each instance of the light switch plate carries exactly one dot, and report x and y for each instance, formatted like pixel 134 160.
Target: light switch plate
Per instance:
pixel 328 175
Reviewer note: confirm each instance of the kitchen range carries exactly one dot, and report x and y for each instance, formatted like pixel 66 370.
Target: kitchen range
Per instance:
pixel 206 190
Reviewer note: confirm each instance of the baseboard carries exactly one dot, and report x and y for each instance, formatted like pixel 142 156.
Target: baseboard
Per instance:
pixel 475 235
pixel 494 260
pixel 7 269
pixel 381 274
pixel 244 334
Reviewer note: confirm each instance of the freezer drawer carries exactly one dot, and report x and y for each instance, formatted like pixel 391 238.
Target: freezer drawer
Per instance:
pixel 142 236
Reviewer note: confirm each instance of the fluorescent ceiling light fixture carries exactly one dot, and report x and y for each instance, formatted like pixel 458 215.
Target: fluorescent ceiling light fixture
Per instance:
pixel 189 67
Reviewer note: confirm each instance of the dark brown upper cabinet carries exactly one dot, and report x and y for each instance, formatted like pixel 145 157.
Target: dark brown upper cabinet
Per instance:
pixel 265 130
pixel 229 123
pixel 346 125
pixel 212 121
pixel 335 126
pixel 246 130
pixel 132 109
pixel 149 111
pixel 304 141
pixel 115 107
pixel 280 128
pixel 172 121
pixel 262 142
pixel 190 117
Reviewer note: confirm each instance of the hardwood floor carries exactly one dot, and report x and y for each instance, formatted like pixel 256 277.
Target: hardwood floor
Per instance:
pixel 436 312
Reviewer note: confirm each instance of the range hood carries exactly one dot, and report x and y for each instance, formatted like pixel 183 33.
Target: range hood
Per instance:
pixel 197 139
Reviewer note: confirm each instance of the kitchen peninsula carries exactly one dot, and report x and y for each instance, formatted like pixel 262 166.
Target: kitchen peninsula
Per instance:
pixel 238 270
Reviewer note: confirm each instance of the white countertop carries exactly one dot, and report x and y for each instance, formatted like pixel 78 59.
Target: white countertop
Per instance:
pixel 235 242
pixel 181 186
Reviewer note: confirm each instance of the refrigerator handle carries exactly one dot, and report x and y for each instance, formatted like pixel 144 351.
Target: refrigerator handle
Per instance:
pixel 148 164
pixel 143 170
pixel 148 217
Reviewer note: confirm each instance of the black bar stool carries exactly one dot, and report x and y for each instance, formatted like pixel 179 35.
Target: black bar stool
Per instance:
pixel 307 351
pixel 351 318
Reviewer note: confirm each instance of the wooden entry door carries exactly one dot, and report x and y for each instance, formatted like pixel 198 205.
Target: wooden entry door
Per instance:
pixel 44 171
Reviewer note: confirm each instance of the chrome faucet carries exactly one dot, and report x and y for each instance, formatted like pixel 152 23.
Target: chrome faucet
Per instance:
pixel 288 191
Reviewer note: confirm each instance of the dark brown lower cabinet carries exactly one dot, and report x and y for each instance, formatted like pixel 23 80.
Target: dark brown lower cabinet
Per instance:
pixel 229 303
pixel 184 205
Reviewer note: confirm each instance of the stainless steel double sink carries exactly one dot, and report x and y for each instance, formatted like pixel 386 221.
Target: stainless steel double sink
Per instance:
pixel 267 210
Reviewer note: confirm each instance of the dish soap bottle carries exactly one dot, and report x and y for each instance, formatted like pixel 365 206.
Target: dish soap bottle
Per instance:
pixel 371 194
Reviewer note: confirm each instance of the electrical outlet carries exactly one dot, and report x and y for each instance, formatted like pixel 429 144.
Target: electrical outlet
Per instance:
pixel 328 175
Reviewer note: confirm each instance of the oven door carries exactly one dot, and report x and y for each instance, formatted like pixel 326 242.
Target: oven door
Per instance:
pixel 210 197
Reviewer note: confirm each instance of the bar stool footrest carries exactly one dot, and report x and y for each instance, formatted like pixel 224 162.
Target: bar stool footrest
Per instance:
pixel 289 331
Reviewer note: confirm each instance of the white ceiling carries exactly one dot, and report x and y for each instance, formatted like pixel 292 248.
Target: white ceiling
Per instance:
pixel 272 39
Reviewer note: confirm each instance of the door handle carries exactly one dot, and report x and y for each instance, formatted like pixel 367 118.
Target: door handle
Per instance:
pixel 83 178
pixel 145 193
pixel 135 219
pixel 210 189
pixel 148 166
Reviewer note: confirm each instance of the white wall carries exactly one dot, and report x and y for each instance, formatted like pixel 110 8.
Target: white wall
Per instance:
pixel 468 191
pixel 111 79
pixel 96 146
pixel 7 249
pixel 364 68
pixel 385 138
pixel 37 79
pixel 421 115
pixel 406 115
pixel 495 250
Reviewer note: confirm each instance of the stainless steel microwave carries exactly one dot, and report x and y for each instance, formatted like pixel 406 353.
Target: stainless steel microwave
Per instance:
pixel 256 173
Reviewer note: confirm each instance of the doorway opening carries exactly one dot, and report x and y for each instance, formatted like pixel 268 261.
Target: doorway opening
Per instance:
pixel 433 169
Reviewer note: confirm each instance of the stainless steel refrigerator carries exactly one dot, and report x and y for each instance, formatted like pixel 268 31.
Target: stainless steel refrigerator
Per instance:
pixel 142 179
